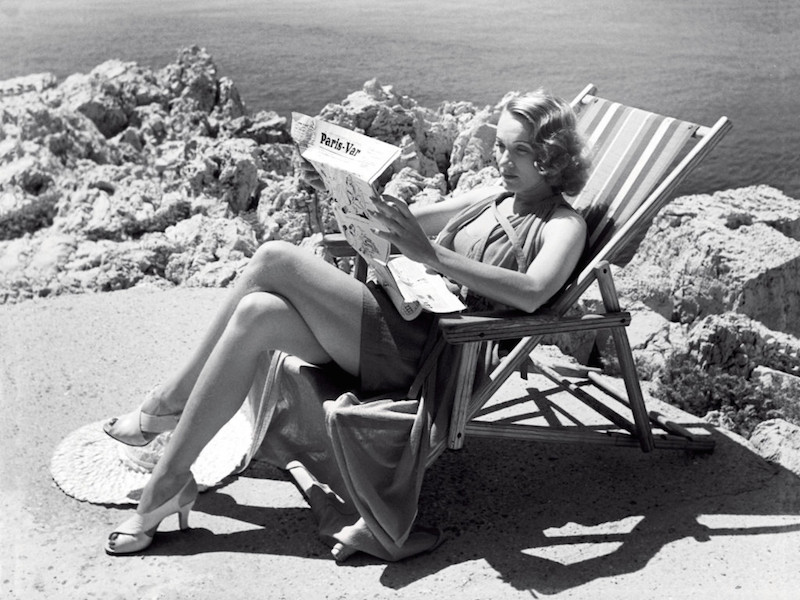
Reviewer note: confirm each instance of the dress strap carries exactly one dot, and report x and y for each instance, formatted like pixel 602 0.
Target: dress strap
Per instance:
pixel 522 259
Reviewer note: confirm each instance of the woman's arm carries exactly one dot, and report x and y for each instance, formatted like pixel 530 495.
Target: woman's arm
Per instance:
pixel 563 240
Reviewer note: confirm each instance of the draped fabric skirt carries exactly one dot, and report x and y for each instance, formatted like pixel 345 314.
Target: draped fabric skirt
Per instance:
pixel 357 448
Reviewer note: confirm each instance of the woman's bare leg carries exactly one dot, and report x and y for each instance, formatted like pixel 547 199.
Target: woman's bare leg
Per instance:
pixel 308 308
pixel 173 393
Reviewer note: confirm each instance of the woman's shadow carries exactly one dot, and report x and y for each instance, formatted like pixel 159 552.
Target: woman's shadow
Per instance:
pixel 547 518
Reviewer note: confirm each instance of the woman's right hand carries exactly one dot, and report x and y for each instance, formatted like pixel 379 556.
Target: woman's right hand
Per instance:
pixel 310 175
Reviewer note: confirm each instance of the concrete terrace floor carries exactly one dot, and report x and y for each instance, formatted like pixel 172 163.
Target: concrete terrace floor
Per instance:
pixel 522 520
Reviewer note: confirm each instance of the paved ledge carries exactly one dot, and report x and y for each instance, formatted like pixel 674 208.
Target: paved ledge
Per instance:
pixel 522 520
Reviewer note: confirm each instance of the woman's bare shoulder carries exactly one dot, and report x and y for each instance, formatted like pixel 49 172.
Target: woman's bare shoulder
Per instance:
pixel 566 218
pixel 481 193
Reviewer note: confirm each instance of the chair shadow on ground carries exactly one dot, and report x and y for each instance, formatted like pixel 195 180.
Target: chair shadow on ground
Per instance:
pixel 545 517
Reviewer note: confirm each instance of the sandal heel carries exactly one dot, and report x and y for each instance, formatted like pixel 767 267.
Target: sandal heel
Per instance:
pixel 183 515
pixel 136 534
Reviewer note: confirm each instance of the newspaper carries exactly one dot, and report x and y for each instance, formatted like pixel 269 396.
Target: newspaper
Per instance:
pixel 349 164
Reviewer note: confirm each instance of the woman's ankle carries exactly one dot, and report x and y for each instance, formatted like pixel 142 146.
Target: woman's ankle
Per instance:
pixel 161 488
pixel 164 400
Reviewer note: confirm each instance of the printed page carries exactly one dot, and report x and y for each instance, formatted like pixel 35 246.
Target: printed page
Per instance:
pixel 342 149
pixel 351 215
pixel 428 288
pixel 402 296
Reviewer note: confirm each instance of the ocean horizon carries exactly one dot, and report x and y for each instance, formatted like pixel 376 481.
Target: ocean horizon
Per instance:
pixel 689 60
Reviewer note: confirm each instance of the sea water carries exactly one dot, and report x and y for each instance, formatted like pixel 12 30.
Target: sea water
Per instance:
pixel 690 59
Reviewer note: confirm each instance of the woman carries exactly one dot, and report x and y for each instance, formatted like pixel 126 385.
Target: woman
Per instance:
pixel 288 299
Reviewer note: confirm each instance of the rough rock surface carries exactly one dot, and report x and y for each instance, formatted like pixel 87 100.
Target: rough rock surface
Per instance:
pixel 779 442
pixel 127 175
pixel 735 250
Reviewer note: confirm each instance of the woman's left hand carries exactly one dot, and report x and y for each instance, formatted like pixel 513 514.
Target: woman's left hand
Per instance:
pixel 402 229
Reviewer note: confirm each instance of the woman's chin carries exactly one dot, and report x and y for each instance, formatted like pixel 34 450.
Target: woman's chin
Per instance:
pixel 510 183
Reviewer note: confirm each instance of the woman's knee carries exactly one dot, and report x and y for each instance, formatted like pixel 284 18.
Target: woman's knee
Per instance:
pixel 255 310
pixel 273 257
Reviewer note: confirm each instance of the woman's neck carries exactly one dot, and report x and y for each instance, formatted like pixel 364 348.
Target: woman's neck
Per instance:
pixel 525 201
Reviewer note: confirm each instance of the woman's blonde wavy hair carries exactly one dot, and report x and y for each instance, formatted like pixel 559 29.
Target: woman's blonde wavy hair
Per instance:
pixel 560 152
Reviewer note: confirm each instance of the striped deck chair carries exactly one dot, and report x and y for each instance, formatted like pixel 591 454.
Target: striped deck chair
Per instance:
pixel 639 159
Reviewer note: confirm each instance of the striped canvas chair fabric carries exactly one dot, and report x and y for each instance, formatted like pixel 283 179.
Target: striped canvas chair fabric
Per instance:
pixel 639 159
pixel 633 149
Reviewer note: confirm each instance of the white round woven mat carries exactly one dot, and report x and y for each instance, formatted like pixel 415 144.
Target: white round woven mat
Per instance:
pixel 91 466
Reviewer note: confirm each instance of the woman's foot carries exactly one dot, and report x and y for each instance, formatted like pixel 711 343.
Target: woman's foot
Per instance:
pixel 142 426
pixel 136 533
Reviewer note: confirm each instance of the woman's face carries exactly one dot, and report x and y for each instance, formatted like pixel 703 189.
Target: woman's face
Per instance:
pixel 514 154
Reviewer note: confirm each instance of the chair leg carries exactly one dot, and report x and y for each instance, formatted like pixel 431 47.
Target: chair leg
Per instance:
pixel 466 377
pixel 627 366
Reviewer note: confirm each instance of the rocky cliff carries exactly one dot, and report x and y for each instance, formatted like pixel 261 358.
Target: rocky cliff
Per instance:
pixel 128 176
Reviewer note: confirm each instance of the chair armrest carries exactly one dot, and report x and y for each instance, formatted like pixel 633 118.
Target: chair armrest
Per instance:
pixel 461 329
pixel 337 246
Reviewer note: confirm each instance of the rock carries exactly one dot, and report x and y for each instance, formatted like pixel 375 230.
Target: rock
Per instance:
pixel 151 124
pixel 51 256
pixel 757 204
pixel 411 157
pixel 486 177
pixel 37 82
pixel 98 99
pixel 360 110
pixel 21 212
pixel 191 80
pixel 227 169
pixel 779 442
pixel 186 122
pixel 104 266
pixel 712 257
pixel 653 339
pixel 780 384
pixel 410 186
pixel 229 104
pixel 287 213
pixel 438 132
pixel 778 379
pixel 277 160
pixel 473 148
pixel 266 127
pixel 201 240
pixel 14 257
pixel 737 344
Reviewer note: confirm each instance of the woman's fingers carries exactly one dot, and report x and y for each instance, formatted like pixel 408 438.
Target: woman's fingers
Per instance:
pixel 390 205
pixel 398 205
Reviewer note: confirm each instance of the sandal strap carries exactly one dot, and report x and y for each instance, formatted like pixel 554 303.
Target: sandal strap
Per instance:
pixel 157 423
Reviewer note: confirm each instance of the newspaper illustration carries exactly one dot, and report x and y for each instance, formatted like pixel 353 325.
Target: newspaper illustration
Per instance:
pixel 349 163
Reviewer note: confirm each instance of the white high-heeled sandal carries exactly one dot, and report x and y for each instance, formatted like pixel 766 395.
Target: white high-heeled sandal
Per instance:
pixel 136 533
pixel 138 428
